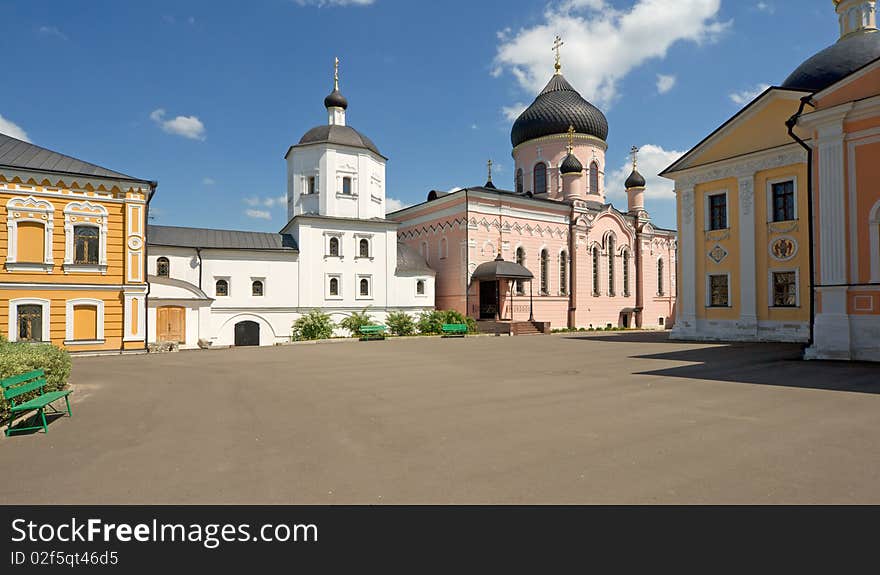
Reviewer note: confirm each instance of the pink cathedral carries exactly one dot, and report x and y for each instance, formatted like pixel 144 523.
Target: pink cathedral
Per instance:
pixel 552 252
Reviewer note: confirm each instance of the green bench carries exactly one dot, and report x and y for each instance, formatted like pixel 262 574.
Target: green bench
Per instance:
pixel 372 332
pixel 19 385
pixel 454 329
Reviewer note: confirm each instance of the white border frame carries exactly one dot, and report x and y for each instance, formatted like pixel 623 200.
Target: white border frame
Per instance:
pixel 228 281
pixel 69 320
pixel 357 246
pixel 13 316
pixel 357 286
pixel 72 212
pixel 26 206
pixel 424 294
pixel 708 297
pixel 262 280
pixel 327 294
pixel 797 288
pixel 769 199
pixel 328 235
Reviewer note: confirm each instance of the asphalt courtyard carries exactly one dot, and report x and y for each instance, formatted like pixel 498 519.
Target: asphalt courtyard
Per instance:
pixel 617 418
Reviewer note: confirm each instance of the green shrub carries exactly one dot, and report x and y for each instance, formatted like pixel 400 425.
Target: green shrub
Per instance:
pixel 18 358
pixel 356 321
pixel 400 323
pixel 313 325
pixel 432 322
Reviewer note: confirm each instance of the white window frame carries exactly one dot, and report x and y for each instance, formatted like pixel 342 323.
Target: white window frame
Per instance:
pixel 338 278
pixel 707 212
pixel 305 183
pixel 228 286
pixel 357 286
pixel 12 332
pixel 339 236
pixel 797 288
pixel 261 280
pixel 88 214
pixel 357 244
pixel 709 291
pixel 68 321
pixel 425 282
pixel 769 193
pixel 340 188
pixel 29 209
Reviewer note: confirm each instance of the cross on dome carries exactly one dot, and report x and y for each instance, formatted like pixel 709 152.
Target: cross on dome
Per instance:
pixel 557 44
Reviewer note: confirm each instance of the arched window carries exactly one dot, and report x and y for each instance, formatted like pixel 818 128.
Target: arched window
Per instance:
pixel 425 250
pixel 596 271
pixel 334 286
pixel 364 248
pixel 85 242
pixel 594 178
pixel 221 288
pixel 545 275
pixel 626 273
pixel 611 248
pixel 519 181
pixel 257 288
pixel 540 178
pixel 521 260
pixel 163 267
pixel 420 287
pixel 563 273
pixel 334 246
pixel 659 277
pixel 365 286
pixel 444 248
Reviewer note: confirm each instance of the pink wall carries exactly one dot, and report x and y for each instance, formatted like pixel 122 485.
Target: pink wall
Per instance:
pixel 552 151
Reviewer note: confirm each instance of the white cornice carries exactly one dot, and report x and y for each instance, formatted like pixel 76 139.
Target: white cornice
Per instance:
pixel 739 167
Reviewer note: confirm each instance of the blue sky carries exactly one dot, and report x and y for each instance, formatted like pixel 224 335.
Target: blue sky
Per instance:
pixel 206 96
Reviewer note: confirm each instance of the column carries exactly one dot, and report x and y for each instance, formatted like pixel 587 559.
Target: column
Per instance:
pixel 748 319
pixel 686 322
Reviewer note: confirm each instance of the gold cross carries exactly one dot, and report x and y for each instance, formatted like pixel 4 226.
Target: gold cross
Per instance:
pixel 489 166
pixel 634 152
pixel 557 43
pixel 570 138
pixel 336 74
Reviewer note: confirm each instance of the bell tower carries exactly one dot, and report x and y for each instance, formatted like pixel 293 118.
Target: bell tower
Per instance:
pixel 856 16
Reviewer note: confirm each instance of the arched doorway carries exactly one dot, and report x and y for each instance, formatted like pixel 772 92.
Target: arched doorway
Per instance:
pixel 247 333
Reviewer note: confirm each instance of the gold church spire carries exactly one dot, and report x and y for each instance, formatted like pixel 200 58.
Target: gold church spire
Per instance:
pixel 557 44
pixel 634 152
pixel 336 73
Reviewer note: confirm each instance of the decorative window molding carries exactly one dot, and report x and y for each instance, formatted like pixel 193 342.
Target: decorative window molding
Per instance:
pixel 329 285
pixel 29 209
pixel 771 208
pixel 360 239
pixel 258 287
pixel 12 331
pixel 163 267
pixel 221 284
pixel 709 290
pixel 69 321
pixel 707 210
pixel 329 248
pixel 85 213
pixel 364 280
pixel 771 291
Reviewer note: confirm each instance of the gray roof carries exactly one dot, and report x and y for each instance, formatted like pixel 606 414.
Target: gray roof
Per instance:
pixel 16 153
pixel 835 62
pixel 557 107
pixel 411 261
pixel 342 135
pixel 218 239
pixel 500 269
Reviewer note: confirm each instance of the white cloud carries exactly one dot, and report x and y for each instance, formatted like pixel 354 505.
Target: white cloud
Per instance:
pixel 187 126
pixel 665 83
pixel 765 7
pixel 513 112
pixel 653 159
pixel 393 204
pixel 254 201
pixel 322 3
pixel 52 32
pixel 743 97
pixel 12 129
pixel 602 43
pixel 208 181
pixel 258 214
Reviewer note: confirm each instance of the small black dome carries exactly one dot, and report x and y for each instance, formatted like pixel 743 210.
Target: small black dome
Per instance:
pixel 835 62
pixel 635 180
pixel 557 107
pixel 571 165
pixel 344 135
pixel 335 100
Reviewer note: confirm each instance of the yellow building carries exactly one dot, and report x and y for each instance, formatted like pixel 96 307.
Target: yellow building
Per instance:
pixel 73 251
pixel 746 200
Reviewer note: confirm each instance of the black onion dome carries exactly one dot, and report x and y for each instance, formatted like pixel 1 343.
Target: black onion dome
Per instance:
pixel 343 135
pixel 557 107
pixel 571 165
pixel 635 180
pixel 335 100
pixel 835 62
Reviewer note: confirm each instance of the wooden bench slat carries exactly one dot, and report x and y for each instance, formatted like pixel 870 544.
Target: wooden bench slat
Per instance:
pixel 13 392
pixel 15 379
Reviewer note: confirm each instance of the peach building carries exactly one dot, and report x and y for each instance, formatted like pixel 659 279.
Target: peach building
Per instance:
pixel 551 252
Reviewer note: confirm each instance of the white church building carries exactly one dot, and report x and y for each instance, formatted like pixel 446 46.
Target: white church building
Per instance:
pixel 338 253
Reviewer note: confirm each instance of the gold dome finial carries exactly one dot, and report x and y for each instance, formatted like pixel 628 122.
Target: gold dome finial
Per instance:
pixel 557 44
pixel 570 138
pixel 634 152
pixel 336 73
pixel 489 168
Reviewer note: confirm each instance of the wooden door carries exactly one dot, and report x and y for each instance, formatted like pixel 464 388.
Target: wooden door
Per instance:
pixel 171 324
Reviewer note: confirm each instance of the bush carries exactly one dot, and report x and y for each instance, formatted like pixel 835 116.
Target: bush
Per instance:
pixel 313 325
pixel 400 323
pixel 432 322
pixel 18 358
pixel 356 321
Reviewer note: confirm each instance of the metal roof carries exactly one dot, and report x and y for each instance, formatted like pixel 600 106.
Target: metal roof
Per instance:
pixel 835 62
pixel 17 153
pixel 218 239
pixel 343 135
pixel 411 261
pixel 500 269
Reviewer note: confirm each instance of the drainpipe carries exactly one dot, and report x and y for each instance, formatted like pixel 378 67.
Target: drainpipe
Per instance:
pixel 467 263
pixel 638 320
pixel 153 185
pixel 572 271
pixel 790 124
pixel 199 255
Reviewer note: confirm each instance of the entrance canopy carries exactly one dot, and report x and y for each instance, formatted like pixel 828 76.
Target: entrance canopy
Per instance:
pixel 498 269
